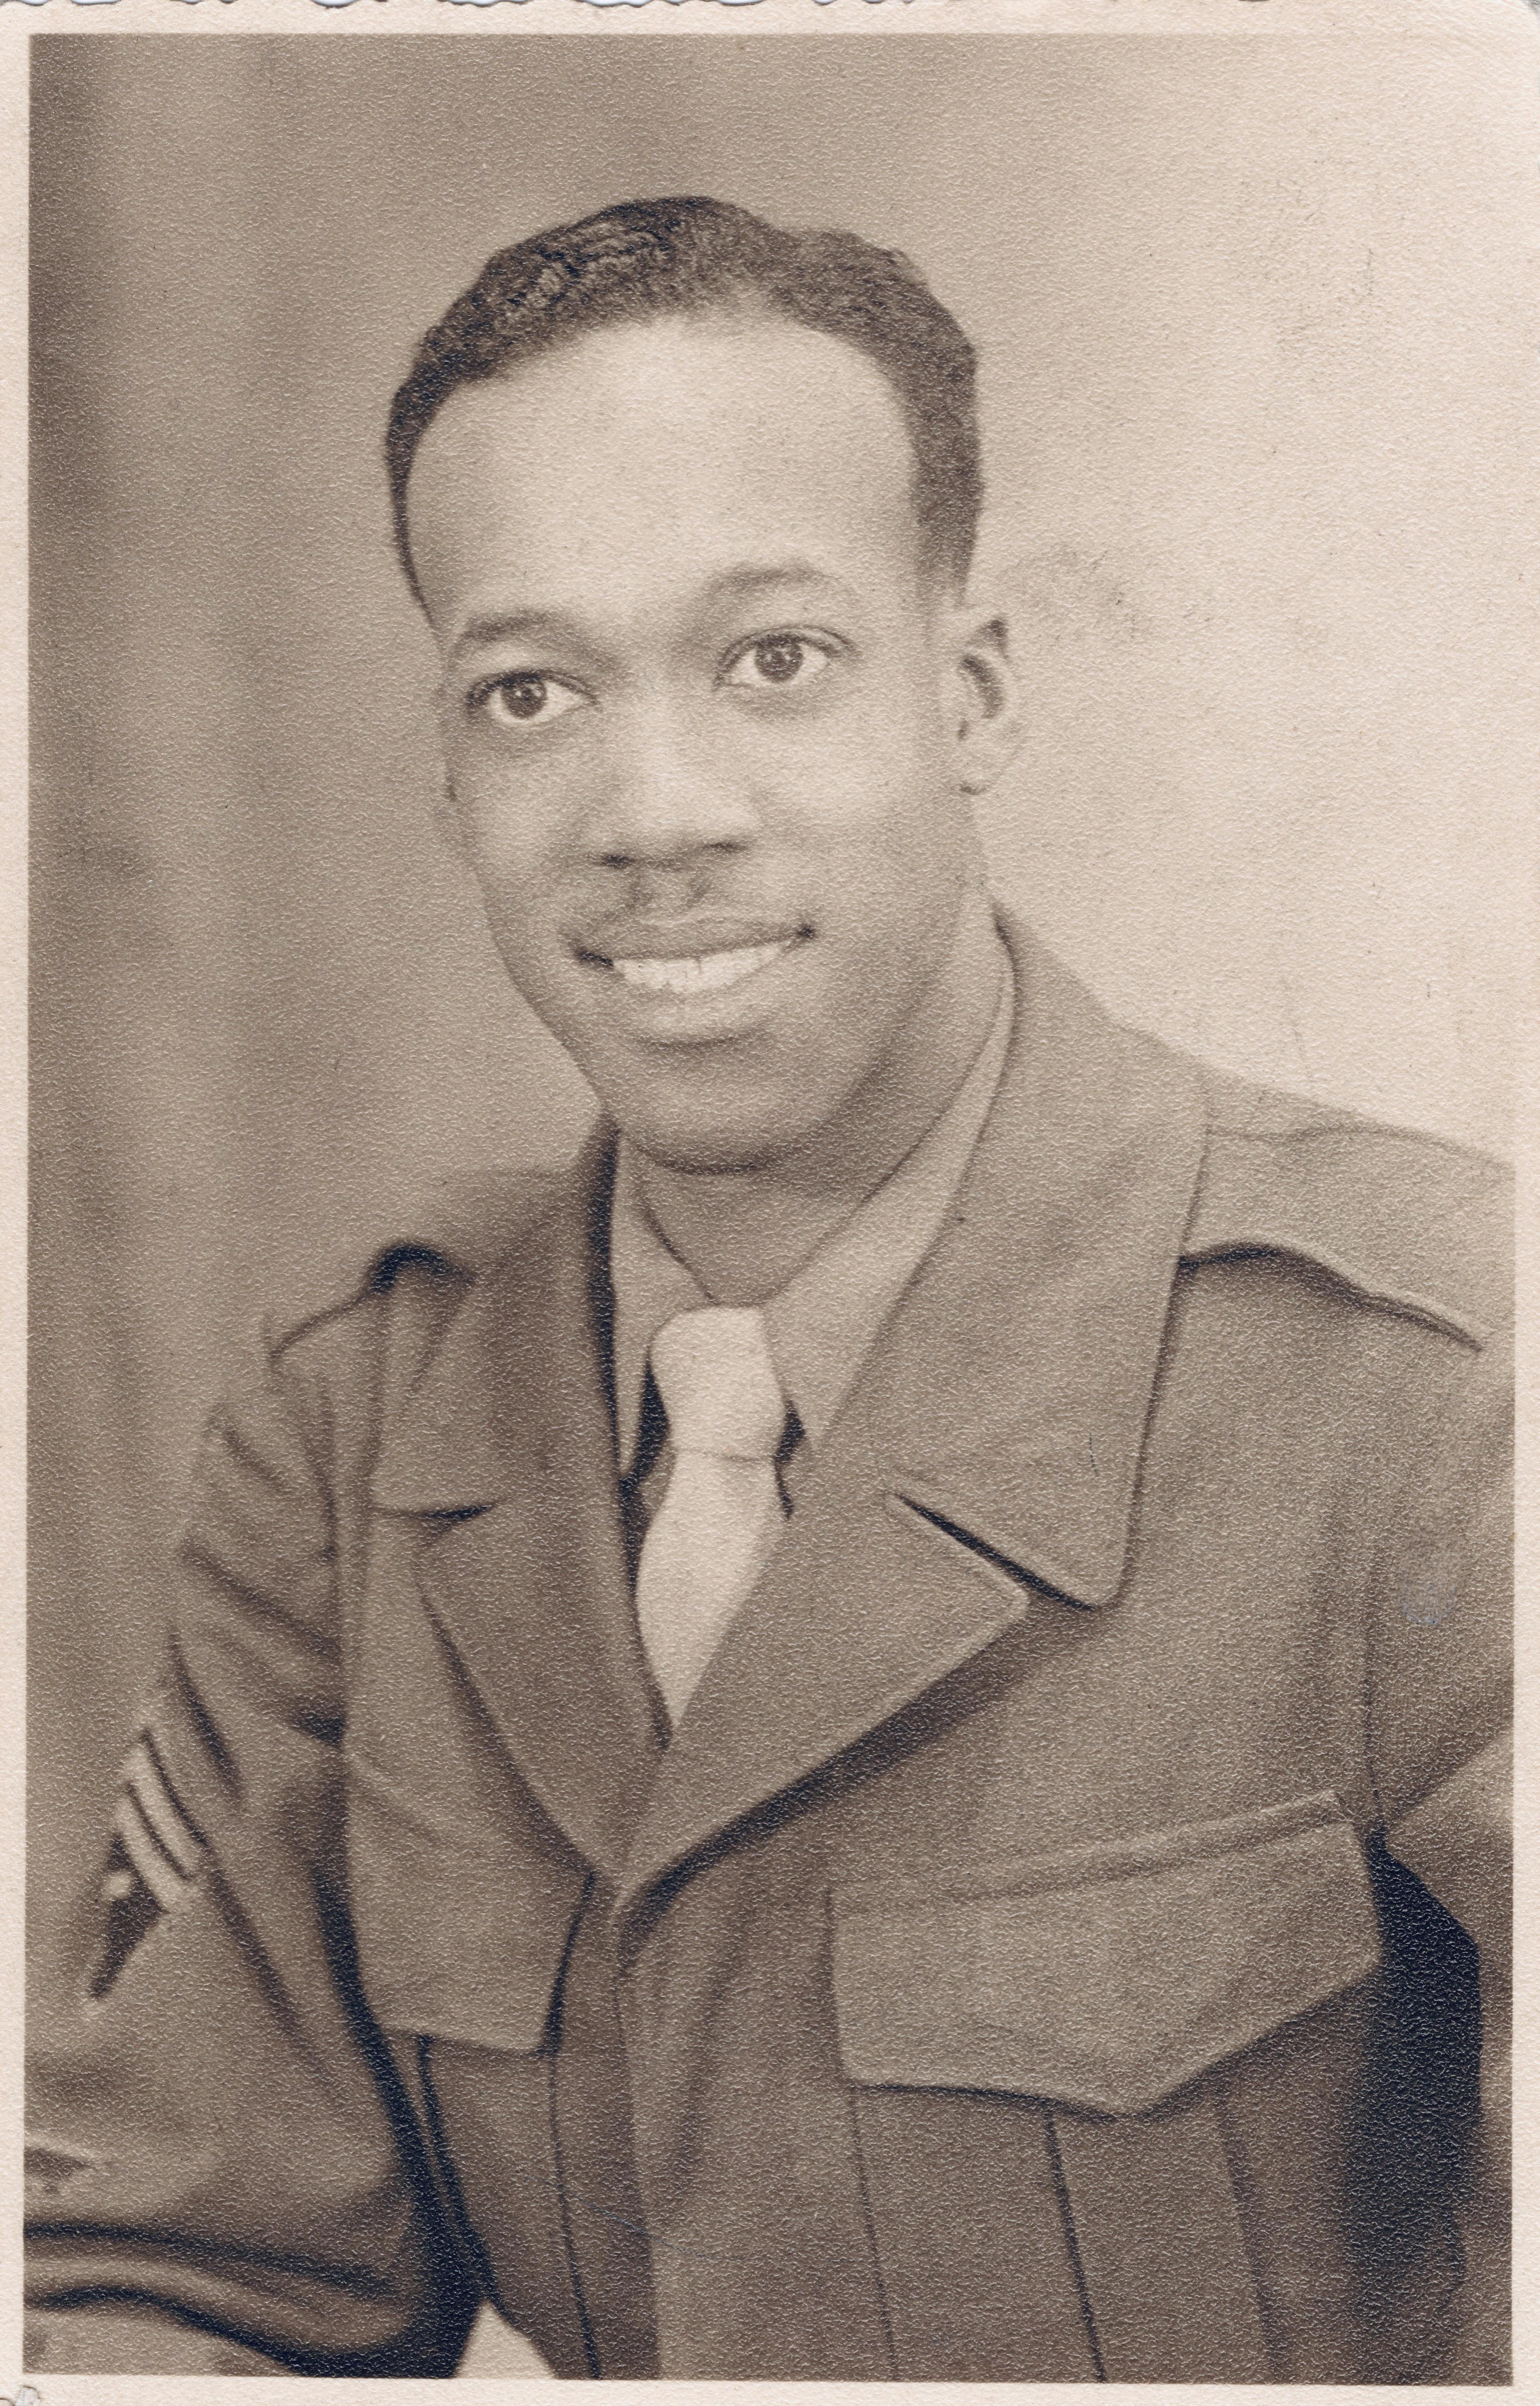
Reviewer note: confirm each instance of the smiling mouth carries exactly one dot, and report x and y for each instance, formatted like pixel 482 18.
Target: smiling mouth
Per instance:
pixel 692 973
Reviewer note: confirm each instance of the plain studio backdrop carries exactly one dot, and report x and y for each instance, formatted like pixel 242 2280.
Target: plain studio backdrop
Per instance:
pixel 1256 409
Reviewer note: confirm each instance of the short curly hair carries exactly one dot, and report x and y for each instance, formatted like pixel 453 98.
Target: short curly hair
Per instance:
pixel 688 256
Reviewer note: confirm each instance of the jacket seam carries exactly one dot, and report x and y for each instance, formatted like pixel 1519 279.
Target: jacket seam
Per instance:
pixel 1358 1124
pixel 552 2051
pixel 446 2180
pixel 1374 1583
pixel 1071 2240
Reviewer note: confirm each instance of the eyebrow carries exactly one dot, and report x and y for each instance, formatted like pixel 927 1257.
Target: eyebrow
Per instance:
pixel 735 581
pixel 733 584
pixel 505 625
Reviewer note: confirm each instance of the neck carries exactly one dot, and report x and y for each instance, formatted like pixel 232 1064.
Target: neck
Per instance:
pixel 745 1233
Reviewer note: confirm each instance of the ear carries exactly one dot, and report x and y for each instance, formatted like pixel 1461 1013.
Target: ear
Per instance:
pixel 983 698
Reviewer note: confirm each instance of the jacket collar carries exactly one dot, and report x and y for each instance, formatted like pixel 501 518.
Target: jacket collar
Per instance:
pixel 993 1433
pixel 507 1442
pixel 1011 1394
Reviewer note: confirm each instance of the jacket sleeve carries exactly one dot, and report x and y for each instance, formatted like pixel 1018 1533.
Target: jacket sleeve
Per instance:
pixel 224 2174
pixel 1441 1738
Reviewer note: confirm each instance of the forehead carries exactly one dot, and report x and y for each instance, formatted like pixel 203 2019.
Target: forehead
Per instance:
pixel 661 455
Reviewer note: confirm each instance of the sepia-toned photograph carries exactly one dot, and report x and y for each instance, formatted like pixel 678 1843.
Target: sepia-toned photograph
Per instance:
pixel 778 855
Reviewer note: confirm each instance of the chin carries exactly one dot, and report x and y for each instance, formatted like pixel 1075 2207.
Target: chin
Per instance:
pixel 705 1152
pixel 713 1144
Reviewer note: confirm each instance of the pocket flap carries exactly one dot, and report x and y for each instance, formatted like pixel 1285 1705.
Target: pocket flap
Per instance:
pixel 457 1940
pixel 1109 1977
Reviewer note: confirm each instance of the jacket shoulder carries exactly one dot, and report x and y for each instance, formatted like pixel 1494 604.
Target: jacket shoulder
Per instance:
pixel 1406 1222
pixel 428 1265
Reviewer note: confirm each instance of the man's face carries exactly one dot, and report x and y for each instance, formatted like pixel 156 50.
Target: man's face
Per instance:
pixel 701 717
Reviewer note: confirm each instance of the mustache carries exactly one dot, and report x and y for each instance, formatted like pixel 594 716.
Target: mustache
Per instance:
pixel 703 901
pixel 640 936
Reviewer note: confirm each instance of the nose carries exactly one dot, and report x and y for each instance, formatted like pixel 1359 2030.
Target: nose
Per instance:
pixel 669 792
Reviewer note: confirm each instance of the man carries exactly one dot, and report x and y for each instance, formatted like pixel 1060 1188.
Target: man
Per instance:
pixel 868 1740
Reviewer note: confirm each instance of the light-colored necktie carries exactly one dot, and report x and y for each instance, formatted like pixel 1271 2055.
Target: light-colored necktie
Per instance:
pixel 718 1522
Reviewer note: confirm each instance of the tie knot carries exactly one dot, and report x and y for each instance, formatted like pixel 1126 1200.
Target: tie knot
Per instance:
pixel 718 1384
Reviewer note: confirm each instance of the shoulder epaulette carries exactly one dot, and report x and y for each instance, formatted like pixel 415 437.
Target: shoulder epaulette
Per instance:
pixel 1408 1222
pixel 461 1237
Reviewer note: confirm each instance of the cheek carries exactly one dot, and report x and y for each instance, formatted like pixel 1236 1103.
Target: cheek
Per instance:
pixel 898 822
pixel 871 777
pixel 510 827
pixel 509 851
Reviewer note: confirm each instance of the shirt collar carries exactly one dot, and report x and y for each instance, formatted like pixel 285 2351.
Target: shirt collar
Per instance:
pixel 821 1324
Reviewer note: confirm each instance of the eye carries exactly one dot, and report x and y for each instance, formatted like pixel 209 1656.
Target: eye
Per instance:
pixel 524 698
pixel 776 663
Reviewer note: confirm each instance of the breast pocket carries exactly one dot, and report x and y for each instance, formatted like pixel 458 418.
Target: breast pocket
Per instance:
pixel 1033 2057
pixel 458 1938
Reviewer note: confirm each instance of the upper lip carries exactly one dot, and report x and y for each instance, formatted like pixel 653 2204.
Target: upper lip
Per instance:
pixel 676 940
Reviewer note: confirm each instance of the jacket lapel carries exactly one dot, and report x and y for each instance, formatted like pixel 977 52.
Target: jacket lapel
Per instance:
pixel 863 1608
pixel 983 1468
pixel 1000 1415
pixel 510 1430
pixel 1013 1395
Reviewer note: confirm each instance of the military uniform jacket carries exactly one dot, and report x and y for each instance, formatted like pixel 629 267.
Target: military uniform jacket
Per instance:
pixel 1057 1942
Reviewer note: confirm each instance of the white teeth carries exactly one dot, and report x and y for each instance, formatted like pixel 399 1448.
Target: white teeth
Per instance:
pixel 701 972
